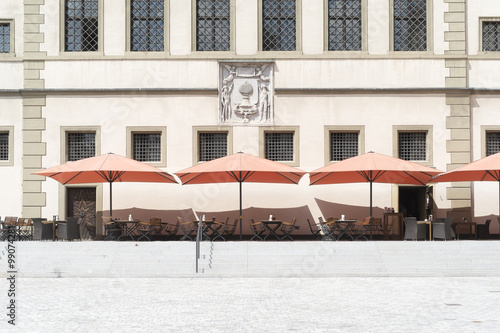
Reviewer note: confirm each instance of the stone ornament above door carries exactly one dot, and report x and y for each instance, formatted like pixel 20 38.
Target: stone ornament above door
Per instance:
pixel 246 92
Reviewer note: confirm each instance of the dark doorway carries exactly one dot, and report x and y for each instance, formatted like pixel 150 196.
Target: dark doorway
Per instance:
pixel 412 201
pixel 82 203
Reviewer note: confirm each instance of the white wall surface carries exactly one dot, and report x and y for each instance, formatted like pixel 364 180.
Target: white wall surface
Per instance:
pixel 477 10
pixel 11 177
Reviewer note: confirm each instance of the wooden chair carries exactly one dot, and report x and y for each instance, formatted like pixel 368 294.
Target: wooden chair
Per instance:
pixel 171 230
pixel 287 228
pixel 187 229
pixel 9 226
pixel 112 230
pixel 257 229
pixel 316 233
pixel 230 229
pixel 327 230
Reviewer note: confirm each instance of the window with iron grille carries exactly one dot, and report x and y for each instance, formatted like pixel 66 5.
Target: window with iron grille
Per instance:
pixel 343 145
pixel 410 25
pixel 492 143
pixel 344 25
pixel 81 25
pixel 491 36
pixel 80 146
pixel 147 147
pixel 212 146
pixel 213 25
pixel 4 146
pixel 412 146
pixel 4 37
pixel 279 146
pixel 279 25
pixel 147 32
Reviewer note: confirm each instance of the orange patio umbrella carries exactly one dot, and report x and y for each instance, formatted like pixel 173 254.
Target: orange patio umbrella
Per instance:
pixel 107 168
pixel 372 167
pixel 239 168
pixel 485 169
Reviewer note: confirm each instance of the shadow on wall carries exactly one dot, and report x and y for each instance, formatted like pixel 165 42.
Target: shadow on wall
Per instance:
pixel 257 213
pixel 332 209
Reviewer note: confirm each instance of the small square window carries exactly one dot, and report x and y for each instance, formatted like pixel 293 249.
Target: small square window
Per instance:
pixel 279 25
pixel 492 143
pixel 491 35
pixel 212 146
pixel 5 37
pixel 147 147
pixel 81 25
pixel 213 25
pixel 343 145
pixel 4 146
pixel 344 25
pixel 412 146
pixel 147 32
pixel 80 145
pixel 279 146
pixel 410 25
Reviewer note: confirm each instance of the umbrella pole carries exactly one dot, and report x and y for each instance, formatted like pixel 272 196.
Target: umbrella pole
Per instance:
pixel 371 217
pixel 110 200
pixel 241 223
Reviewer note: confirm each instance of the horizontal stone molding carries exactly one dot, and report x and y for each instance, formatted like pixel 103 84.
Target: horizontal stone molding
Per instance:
pixel 34 124
pixel 34 199
pixel 457 122
pixel 453 193
pixel 457 146
pixel 32 186
pixel 34 148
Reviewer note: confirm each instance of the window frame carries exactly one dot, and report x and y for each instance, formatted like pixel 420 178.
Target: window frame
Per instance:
pixel 11 52
pixel 281 129
pixel 210 129
pixel 166 33
pixel 480 31
pixel 487 129
pixel 131 130
pixel 364 30
pixel 100 31
pixel 232 27
pixel 298 30
pixel 396 129
pixel 79 129
pixel 430 26
pixel 343 129
pixel 10 131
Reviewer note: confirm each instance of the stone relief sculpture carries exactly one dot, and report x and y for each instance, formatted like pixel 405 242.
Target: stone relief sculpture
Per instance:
pixel 245 93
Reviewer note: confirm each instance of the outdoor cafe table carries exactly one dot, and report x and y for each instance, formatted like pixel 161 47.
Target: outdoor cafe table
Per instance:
pixel 471 226
pixel 128 228
pixel 345 228
pixel 209 229
pixel 272 226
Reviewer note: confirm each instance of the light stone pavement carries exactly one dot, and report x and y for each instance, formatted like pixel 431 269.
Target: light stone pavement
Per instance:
pixel 254 305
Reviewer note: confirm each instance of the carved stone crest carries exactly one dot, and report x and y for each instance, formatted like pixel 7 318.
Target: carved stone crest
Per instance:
pixel 246 93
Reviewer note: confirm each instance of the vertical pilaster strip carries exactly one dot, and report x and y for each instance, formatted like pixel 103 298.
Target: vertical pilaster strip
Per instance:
pixel 33 102
pixel 459 119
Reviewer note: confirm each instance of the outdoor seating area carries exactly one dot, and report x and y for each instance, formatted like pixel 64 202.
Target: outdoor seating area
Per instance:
pixel 224 229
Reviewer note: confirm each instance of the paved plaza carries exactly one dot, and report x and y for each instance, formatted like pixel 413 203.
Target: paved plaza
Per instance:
pixel 387 304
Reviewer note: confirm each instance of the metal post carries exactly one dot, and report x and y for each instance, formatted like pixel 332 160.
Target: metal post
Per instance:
pixel 199 234
pixel 111 200
pixel 371 217
pixel 241 223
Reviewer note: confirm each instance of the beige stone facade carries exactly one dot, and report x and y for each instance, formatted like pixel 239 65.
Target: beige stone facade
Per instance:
pixel 450 91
